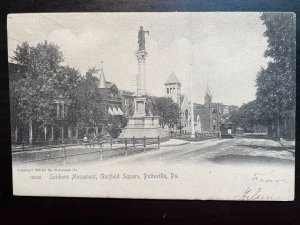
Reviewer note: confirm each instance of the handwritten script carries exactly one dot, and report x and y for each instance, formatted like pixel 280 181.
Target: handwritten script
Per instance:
pixel 259 190
pixel 266 178
pixel 254 194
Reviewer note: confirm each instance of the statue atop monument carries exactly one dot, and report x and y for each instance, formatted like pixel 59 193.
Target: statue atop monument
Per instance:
pixel 141 38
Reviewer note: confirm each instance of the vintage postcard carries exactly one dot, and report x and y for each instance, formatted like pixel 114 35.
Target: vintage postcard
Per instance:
pixel 174 105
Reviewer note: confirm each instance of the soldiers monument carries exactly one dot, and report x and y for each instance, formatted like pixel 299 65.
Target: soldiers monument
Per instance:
pixel 141 125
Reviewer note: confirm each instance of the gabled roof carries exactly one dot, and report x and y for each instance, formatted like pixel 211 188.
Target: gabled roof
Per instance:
pixel 110 84
pixel 172 79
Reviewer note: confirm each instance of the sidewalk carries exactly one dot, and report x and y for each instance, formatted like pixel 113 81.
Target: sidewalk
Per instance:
pixel 106 150
pixel 286 143
pixel 61 151
pixel 173 142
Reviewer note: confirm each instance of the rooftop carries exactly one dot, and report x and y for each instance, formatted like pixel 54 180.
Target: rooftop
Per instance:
pixel 172 79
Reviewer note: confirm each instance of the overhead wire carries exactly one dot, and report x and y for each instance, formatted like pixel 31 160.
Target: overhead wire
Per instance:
pixel 53 21
pixel 13 38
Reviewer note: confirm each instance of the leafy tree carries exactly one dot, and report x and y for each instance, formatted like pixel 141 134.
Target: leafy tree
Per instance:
pixel 65 84
pixel 39 80
pixel 245 117
pixel 66 81
pixel 115 125
pixel 88 100
pixel 276 85
pixel 32 88
pixel 166 109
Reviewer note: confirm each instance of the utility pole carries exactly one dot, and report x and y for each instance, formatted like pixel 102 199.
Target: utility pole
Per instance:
pixel 192 105
pixel 191 87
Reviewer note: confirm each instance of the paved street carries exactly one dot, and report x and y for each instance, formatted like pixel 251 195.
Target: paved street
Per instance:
pixel 238 150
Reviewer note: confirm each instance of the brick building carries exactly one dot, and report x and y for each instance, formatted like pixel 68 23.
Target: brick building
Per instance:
pixel 208 117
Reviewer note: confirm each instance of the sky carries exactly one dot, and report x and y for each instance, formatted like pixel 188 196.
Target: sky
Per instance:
pixel 223 50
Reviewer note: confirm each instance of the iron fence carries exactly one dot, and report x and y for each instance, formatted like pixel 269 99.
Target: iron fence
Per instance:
pixel 95 146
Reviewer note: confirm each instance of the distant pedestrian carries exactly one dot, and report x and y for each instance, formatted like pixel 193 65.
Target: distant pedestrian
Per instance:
pixel 85 140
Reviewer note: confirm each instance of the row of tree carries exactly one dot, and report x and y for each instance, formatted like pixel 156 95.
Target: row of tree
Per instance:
pixel 275 102
pixel 41 79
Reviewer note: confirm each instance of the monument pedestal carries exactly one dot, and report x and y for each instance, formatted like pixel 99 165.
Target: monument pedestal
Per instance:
pixel 147 126
pixel 139 125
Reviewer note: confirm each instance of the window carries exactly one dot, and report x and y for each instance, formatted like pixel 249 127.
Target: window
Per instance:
pixel 167 90
pixel 186 114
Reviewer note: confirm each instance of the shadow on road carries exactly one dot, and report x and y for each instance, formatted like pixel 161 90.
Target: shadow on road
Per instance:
pixel 270 148
pixel 250 159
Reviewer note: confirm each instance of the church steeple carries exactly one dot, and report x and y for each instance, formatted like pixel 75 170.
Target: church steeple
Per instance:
pixel 208 96
pixel 102 81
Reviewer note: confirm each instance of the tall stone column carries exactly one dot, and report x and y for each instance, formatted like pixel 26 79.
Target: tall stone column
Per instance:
pixel 144 75
pixel 141 77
